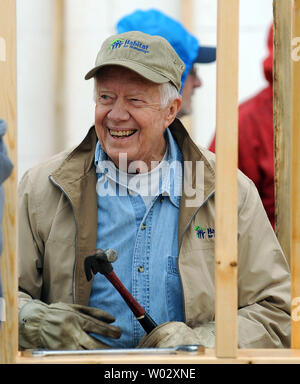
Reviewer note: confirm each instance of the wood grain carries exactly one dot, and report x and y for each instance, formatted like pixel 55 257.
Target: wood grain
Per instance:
pixel 8 108
pixel 244 356
pixel 226 178
pixel 59 20
pixel 295 249
pixel 187 19
pixel 283 121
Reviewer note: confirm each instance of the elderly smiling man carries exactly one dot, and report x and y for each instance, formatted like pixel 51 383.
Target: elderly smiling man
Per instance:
pixel 128 187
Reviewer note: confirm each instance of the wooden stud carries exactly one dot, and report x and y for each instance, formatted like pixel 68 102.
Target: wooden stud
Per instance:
pixel 8 108
pixel 187 18
pixel 282 105
pixel 244 356
pixel 187 7
pixel 226 178
pixel 295 250
pixel 59 65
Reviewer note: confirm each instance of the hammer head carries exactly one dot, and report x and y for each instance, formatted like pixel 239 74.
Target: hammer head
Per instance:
pixel 100 261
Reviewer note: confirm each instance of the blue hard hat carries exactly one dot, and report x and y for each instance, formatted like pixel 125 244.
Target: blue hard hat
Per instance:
pixel 186 45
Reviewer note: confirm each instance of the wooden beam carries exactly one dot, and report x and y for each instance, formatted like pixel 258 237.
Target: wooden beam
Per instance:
pixel 187 14
pixel 244 356
pixel 283 121
pixel 295 249
pixel 8 108
pixel 59 66
pixel 226 178
pixel 187 18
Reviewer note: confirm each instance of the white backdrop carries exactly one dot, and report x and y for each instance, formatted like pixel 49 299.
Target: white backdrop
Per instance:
pixel 88 23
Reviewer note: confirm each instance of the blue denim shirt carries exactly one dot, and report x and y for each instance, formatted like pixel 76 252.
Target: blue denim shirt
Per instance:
pixel 146 240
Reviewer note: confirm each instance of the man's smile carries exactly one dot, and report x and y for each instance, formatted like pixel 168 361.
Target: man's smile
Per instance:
pixel 121 133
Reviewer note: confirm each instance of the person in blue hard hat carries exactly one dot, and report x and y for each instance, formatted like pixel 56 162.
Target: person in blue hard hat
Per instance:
pixel 186 45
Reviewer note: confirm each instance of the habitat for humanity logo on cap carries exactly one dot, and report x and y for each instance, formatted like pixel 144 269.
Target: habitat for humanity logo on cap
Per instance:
pixel 152 57
pixel 133 44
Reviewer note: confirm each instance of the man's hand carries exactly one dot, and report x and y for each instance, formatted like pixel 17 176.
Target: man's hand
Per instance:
pixel 63 326
pixel 169 335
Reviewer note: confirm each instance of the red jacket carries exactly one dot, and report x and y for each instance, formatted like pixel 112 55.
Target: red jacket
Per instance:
pixel 256 154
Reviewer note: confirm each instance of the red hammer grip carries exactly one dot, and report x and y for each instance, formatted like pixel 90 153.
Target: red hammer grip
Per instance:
pixel 136 308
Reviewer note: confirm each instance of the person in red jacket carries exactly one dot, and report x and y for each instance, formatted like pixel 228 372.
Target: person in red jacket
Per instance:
pixel 256 153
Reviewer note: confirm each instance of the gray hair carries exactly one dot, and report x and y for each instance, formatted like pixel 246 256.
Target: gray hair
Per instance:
pixel 168 92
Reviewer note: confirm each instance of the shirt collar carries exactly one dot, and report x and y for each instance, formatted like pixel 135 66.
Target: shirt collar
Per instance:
pixel 172 180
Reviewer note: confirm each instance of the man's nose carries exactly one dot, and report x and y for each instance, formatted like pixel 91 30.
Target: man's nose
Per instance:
pixel 118 111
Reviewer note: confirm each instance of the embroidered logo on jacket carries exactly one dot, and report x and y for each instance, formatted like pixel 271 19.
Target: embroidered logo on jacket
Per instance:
pixel 203 233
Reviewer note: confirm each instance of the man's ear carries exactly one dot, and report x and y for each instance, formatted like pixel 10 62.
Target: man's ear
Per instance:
pixel 171 111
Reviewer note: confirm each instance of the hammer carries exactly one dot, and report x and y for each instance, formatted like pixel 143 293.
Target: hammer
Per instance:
pixel 101 261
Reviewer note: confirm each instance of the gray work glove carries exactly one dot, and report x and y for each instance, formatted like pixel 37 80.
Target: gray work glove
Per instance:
pixel 171 334
pixel 63 326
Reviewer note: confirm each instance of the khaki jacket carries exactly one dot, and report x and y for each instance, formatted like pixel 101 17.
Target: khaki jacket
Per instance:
pixel 58 229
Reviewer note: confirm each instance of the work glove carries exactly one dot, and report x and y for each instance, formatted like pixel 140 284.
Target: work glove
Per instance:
pixel 63 326
pixel 171 334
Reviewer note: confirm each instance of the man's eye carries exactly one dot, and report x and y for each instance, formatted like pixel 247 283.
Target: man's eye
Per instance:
pixel 136 101
pixel 104 99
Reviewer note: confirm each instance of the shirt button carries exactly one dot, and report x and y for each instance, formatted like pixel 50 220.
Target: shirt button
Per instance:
pixel 131 193
pixel 143 227
pixel 141 269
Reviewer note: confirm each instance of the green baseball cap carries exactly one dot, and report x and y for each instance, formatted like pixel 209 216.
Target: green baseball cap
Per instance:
pixel 151 57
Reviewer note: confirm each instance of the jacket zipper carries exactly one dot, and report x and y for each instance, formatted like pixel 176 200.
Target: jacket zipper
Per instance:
pixel 76 233
pixel 180 244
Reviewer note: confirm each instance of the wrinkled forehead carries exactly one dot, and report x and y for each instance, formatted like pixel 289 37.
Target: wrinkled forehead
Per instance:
pixel 118 73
